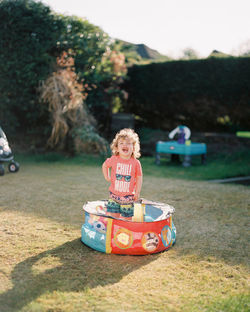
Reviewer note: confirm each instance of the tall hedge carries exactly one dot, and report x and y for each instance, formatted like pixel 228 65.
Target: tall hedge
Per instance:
pixel 28 36
pixel 31 38
pixel 209 94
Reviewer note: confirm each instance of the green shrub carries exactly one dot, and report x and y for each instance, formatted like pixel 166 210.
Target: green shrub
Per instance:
pixel 28 35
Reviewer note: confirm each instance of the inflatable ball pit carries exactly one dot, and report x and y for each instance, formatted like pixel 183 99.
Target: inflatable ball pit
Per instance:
pixel 150 231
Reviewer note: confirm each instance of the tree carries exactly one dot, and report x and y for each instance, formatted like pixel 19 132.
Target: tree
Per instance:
pixel 189 54
pixel 88 44
pixel 244 48
pixel 31 38
pixel 98 64
pixel 29 34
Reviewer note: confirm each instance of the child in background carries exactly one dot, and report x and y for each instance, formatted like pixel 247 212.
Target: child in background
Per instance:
pixel 123 170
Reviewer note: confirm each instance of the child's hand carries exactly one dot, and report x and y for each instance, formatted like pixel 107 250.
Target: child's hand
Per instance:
pixel 108 179
pixel 137 196
pixel 105 171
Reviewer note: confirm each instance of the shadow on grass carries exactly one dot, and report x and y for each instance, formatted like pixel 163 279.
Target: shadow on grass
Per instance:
pixel 73 267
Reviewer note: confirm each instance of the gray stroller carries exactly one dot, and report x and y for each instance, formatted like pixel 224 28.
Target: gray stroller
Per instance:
pixel 6 155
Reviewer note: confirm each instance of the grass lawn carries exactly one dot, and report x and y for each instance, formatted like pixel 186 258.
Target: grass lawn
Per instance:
pixel 45 267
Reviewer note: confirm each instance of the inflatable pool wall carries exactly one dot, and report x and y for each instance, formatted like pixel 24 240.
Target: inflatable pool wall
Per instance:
pixel 154 234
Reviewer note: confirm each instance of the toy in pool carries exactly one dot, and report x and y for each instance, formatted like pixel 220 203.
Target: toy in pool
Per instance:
pixel 150 231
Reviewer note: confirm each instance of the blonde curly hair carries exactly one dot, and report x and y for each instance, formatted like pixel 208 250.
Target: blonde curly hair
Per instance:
pixel 127 134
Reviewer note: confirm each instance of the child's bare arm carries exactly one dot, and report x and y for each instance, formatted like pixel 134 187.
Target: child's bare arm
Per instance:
pixel 138 187
pixel 105 171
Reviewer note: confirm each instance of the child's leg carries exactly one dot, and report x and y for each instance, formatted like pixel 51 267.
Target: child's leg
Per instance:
pixel 113 208
pixel 127 211
pixel 114 215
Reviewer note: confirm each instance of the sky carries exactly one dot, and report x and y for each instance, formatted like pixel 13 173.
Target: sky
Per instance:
pixel 168 26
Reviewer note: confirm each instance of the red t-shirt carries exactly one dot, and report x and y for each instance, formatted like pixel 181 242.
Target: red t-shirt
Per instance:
pixel 123 174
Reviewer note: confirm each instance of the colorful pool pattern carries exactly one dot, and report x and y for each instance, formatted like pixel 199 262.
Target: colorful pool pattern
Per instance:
pixel 117 236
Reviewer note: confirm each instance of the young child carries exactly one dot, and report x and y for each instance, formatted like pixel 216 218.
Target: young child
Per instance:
pixel 123 170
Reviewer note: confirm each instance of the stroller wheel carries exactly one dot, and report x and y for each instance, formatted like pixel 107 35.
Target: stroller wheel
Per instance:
pixel 1 170
pixel 13 166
